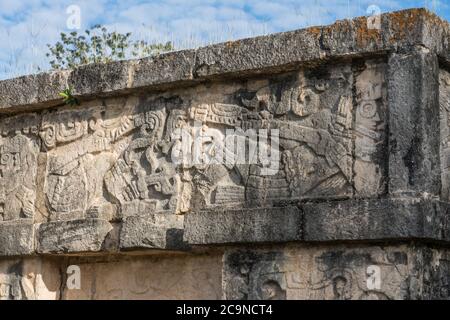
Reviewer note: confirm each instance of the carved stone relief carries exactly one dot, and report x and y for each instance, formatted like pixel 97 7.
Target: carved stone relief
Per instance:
pixel 143 177
pixel 19 148
pixel 437 267
pixel 302 273
pixel 331 140
pixel 81 146
pixel 172 277
pixel 369 128
pixel 118 157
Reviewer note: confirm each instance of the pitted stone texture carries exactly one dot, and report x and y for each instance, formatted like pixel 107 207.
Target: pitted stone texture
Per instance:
pixel 87 235
pixel 17 238
pixel 39 90
pixel 258 54
pixel 343 220
pixel 244 226
pixel 414 165
pixel 157 231
pixel 107 78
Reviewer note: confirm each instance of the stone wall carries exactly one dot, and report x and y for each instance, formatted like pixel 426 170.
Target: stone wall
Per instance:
pixel 349 201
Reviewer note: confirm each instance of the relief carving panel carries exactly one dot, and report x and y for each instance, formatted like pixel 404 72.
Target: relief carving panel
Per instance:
pixel 307 273
pixel 140 278
pixel 321 131
pixel 19 148
pixel 81 146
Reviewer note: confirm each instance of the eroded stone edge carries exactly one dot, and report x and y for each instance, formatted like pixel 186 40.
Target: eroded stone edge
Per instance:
pixel 349 220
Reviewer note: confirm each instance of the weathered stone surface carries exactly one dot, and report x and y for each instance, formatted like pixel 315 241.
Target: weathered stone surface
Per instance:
pixel 87 235
pixel 376 219
pixel 19 147
pixel 413 115
pixel 434 265
pixel 358 219
pixel 32 91
pixel 170 68
pixel 244 225
pixel 123 76
pixel 16 238
pixel 258 54
pixel 157 231
pixel 318 133
pixel 339 272
pixel 324 135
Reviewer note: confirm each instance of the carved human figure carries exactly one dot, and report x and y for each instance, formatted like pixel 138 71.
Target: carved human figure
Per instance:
pixel 81 145
pixel 143 174
pixel 315 146
pixel 369 130
pixel 17 177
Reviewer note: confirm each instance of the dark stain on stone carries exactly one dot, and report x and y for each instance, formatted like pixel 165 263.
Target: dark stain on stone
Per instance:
pixel 412 159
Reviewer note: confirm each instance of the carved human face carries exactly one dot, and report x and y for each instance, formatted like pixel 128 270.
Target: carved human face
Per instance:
pixel 13 158
pixel 9 162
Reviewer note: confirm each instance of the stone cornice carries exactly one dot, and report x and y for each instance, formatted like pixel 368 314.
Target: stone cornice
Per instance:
pixel 284 51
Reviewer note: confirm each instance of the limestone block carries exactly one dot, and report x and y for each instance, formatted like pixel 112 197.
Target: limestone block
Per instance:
pixel 86 235
pixel 157 231
pixel 245 225
pixel 413 117
pixel 376 220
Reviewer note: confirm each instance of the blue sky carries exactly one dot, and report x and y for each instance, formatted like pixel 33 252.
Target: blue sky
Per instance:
pixel 26 26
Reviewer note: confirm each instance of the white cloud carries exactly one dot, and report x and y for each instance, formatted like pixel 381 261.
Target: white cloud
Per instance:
pixel 11 7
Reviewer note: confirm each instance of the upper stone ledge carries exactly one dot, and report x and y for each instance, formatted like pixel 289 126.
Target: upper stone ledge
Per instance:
pixel 276 52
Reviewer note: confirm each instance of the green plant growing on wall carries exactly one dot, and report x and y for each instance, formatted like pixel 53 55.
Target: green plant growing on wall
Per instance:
pixel 98 45
pixel 68 97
